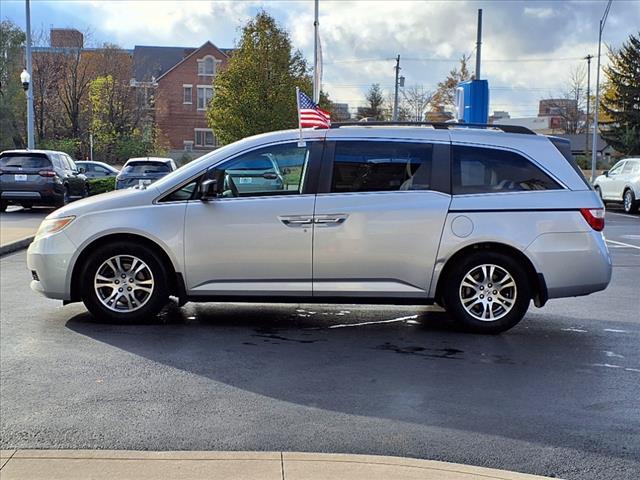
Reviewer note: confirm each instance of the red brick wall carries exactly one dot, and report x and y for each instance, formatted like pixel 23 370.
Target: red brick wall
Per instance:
pixel 176 120
pixel 66 37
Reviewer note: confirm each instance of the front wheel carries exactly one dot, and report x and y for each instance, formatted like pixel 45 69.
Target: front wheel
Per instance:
pixel 124 282
pixel 629 201
pixel 487 292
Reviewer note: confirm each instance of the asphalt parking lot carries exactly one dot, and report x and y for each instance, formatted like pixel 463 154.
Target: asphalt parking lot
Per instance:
pixel 558 395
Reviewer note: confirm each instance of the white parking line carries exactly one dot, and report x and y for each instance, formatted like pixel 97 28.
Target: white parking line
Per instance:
pixel 628 245
pixel 623 215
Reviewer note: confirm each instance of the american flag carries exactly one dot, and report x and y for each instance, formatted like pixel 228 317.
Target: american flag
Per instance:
pixel 310 115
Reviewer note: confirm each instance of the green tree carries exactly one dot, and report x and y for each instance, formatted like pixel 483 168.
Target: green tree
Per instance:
pixel 12 98
pixel 445 94
pixel 256 92
pixel 375 104
pixel 621 97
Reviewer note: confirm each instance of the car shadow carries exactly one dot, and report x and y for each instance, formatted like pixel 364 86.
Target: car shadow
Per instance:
pixel 402 364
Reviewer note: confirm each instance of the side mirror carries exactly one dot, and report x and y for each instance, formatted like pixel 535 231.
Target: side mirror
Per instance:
pixel 606 173
pixel 81 170
pixel 208 190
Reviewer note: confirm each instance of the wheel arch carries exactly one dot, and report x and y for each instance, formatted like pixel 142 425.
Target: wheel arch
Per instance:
pixel 536 279
pixel 174 287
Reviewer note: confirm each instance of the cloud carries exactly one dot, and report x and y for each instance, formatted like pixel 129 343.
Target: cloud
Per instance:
pixel 528 48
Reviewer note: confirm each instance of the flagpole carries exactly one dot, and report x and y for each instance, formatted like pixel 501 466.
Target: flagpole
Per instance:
pixel 300 141
pixel 316 60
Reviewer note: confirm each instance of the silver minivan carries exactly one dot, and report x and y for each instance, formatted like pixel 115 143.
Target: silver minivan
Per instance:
pixel 481 220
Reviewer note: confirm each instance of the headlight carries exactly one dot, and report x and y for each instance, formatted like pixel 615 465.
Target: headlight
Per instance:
pixel 53 225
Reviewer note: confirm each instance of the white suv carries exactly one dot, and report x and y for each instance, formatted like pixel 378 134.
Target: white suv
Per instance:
pixel 480 220
pixel 621 184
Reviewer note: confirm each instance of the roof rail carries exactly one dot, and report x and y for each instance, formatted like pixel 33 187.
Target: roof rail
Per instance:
pixel 439 125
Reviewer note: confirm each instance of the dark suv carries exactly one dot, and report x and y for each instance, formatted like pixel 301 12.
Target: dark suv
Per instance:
pixel 39 177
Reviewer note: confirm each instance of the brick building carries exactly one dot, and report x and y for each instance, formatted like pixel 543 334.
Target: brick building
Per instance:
pixel 180 84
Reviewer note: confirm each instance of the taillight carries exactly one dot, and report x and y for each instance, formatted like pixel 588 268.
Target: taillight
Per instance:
pixel 47 173
pixel 594 217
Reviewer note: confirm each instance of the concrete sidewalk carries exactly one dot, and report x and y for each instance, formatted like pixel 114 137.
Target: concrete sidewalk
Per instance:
pixel 119 464
pixel 18 226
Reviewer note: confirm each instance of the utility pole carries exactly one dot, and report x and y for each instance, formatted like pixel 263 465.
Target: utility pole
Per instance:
pixel 395 99
pixel 586 121
pixel 316 59
pixel 478 44
pixel 30 139
pixel 594 145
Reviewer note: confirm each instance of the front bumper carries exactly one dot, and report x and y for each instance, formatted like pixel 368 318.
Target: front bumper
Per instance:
pixel 50 258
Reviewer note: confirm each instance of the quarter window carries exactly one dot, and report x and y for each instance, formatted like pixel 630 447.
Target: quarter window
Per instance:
pixel 486 170
pixel 381 166
pixel 274 170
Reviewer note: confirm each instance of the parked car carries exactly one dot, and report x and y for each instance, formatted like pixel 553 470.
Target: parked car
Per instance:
pixel 145 170
pixel 621 184
pixel 479 220
pixel 93 169
pixel 39 177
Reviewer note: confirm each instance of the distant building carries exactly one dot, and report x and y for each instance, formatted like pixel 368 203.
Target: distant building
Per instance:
pixel 581 144
pixel 66 38
pixel 498 116
pixel 340 112
pixel 178 82
pixel 537 124
pixel 438 114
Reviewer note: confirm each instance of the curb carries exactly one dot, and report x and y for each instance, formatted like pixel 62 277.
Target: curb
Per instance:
pixel 15 246
pixel 191 465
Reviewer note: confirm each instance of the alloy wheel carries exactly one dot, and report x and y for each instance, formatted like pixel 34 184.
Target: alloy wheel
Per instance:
pixel 123 283
pixel 488 292
pixel 627 201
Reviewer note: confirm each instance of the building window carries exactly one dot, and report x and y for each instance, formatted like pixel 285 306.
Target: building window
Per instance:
pixel 205 94
pixel 188 145
pixel 207 66
pixel 205 138
pixel 187 94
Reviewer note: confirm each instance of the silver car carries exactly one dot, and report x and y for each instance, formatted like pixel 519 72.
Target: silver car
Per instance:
pixel 621 184
pixel 480 220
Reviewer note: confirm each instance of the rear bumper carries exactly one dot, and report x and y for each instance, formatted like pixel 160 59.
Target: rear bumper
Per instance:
pixel 48 196
pixel 50 258
pixel 573 264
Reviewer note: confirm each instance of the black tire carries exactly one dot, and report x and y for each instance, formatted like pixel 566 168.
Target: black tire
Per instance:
pixel 3 206
pixel 27 206
pixel 85 191
pixel 61 202
pixel 158 298
pixel 629 202
pixel 452 293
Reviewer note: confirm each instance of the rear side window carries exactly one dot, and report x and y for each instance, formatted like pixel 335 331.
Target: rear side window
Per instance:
pixel 24 161
pixel 375 166
pixel 487 170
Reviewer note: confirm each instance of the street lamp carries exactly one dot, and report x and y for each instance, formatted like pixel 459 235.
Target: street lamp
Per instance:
pixel 25 78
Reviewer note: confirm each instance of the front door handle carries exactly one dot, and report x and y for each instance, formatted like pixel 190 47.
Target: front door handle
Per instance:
pixel 294 221
pixel 331 220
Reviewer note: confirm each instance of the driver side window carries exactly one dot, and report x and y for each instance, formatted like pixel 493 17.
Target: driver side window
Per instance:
pixel 616 169
pixel 273 170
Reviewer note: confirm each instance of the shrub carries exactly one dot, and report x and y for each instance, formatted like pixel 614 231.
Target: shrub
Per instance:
pixel 101 185
pixel 66 145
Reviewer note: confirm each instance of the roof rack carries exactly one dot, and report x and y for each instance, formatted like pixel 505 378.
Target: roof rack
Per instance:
pixel 440 125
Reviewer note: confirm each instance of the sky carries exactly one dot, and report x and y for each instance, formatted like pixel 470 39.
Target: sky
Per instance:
pixel 528 52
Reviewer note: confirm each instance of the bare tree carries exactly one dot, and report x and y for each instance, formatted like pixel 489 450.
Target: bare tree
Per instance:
pixel 416 100
pixel 570 104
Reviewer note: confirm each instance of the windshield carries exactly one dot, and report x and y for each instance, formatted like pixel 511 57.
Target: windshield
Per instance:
pixel 140 168
pixel 24 161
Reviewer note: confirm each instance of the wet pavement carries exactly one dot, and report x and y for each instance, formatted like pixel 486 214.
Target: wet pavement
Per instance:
pixel 558 395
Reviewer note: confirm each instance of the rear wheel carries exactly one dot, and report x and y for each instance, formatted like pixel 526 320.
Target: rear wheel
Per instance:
pixel 487 292
pixel 3 206
pixel 27 206
pixel 629 203
pixel 124 281
pixel 65 198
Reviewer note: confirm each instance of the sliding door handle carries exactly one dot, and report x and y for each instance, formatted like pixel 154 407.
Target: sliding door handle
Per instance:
pixel 330 220
pixel 297 221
